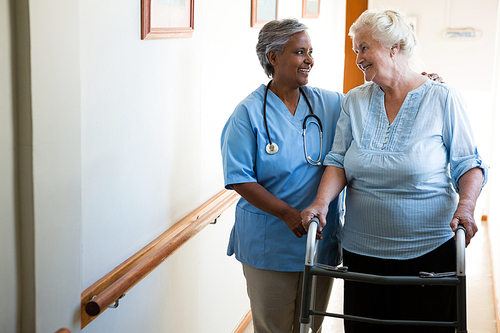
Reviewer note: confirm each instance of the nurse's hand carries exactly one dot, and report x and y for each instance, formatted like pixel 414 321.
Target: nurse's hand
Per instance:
pixel 434 77
pixel 319 209
pixel 293 221
pixel 259 197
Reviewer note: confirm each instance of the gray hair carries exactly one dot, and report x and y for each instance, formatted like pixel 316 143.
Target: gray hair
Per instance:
pixel 388 27
pixel 273 37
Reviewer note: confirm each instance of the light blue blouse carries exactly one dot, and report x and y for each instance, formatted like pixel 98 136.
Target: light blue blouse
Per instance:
pixel 402 176
pixel 259 239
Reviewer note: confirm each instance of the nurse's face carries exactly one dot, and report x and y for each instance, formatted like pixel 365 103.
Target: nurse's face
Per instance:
pixel 293 64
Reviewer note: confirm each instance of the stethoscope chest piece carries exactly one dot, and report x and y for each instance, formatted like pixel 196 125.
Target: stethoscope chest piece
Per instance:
pixel 271 148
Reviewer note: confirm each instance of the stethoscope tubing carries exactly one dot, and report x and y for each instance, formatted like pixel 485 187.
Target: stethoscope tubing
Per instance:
pixel 272 148
pixel 265 115
pixel 320 127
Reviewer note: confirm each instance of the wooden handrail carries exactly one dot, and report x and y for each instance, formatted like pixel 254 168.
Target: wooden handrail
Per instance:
pixel 244 323
pixel 99 296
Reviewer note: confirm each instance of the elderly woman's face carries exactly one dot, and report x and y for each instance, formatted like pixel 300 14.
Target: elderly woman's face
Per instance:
pixel 373 59
pixel 295 61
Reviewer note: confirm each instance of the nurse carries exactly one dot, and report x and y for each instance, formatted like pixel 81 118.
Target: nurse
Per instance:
pixel 277 183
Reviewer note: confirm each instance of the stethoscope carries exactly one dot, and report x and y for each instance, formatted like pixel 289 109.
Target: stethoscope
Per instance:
pixel 272 148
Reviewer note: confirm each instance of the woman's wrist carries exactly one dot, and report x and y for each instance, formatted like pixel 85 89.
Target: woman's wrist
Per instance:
pixel 321 201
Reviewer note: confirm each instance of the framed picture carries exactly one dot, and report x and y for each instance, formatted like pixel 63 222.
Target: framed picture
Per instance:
pixel 310 8
pixel 263 11
pixel 167 19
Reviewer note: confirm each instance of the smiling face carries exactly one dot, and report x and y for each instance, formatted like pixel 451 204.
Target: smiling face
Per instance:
pixel 293 64
pixel 373 59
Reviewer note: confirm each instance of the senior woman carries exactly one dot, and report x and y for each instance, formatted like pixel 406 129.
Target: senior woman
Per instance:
pixel 264 159
pixel 404 148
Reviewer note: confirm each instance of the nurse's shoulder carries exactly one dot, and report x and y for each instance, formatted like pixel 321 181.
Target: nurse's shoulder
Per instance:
pixel 251 106
pixel 323 95
pixel 326 103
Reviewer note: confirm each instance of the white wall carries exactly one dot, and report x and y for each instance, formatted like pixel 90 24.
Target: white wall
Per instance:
pixel 152 114
pixel 125 143
pixel 56 170
pixel 494 216
pixel 8 257
pixel 118 139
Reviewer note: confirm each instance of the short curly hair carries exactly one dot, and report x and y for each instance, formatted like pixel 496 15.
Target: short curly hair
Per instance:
pixel 273 37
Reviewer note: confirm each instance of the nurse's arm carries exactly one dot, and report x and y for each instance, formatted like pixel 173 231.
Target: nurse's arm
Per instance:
pixel 259 197
pixel 469 187
pixel 332 183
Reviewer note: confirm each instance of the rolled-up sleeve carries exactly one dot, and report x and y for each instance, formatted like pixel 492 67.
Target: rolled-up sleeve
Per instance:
pixel 459 140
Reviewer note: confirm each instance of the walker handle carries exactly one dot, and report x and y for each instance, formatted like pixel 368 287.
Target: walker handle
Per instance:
pixel 460 235
pixel 311 241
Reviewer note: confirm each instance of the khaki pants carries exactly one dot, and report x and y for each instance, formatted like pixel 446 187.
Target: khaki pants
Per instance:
pixel 276 297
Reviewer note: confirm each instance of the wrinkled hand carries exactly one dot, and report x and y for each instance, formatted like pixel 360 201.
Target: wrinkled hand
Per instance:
pixel 463 216
pixel 434 77
pixel 294 222
pixel 318 208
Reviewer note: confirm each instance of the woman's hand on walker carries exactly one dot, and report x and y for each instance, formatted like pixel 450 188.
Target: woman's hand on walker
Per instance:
pixel 319 209
pixel 464 216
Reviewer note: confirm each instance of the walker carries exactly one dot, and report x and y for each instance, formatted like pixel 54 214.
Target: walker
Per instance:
pixel 312 269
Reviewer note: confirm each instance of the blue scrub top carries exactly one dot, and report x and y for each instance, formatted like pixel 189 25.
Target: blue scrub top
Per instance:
pixel 259 239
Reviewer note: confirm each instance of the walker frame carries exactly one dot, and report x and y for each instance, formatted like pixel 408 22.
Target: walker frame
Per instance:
pixel 312 269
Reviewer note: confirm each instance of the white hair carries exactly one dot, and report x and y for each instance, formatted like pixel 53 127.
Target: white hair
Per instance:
pixel 390 28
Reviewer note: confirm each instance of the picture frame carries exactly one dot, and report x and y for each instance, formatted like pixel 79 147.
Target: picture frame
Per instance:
pixel 162 19
pixel 310 8
pixel 263 11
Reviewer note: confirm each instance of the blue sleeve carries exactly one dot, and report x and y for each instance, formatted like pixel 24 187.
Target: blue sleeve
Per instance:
pixel 459 140
pixel 343 138
pixel 238 148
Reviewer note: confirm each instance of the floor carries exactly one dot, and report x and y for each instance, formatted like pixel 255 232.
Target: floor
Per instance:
pixel 480 303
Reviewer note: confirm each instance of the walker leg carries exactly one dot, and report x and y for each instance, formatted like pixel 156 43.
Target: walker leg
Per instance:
pixel 305 319
pixel 304 328
pixel 313 299
pixel 461 288
pixel 461 306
